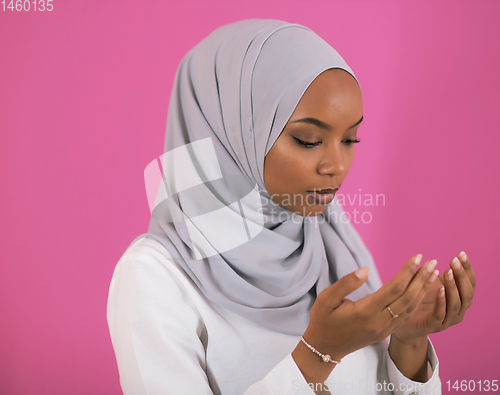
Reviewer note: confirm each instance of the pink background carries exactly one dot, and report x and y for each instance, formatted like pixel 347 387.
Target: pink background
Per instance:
pixel 84 93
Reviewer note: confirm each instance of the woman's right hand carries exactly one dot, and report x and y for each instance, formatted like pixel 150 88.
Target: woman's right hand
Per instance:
pixel 339 326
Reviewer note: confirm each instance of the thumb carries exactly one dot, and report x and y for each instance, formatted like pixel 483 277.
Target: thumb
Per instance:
pixel 335 293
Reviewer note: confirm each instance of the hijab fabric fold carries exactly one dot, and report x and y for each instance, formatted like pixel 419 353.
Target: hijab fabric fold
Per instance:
pixel 232 96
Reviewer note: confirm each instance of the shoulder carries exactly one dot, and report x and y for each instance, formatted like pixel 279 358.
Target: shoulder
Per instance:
pixel 148 249
pixel 147 265
pixel 146 253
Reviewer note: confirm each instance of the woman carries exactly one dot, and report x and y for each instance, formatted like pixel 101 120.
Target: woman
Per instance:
pixel 249 281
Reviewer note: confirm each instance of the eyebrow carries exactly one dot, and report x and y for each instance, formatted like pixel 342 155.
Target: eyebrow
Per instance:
pixel 321 124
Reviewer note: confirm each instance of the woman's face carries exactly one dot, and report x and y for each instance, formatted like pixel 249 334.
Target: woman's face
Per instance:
pixel 316 147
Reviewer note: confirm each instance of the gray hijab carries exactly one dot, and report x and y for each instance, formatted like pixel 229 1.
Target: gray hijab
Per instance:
pixel 232 96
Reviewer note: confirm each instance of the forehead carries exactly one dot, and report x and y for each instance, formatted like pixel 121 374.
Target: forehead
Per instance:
pixel 333 93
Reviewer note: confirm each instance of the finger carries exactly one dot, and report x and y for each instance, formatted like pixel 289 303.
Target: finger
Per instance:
pixel 465 290
pixel 439 311
pixel 394 288
pixel 468 268
pixel 453 303
pixel 416 291
pixel 332 297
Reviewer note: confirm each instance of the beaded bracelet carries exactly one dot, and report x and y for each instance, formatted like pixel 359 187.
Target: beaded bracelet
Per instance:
pixel 324 357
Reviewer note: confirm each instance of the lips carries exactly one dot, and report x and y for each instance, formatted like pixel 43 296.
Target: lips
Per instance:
pixel 323 196
pixel 328 190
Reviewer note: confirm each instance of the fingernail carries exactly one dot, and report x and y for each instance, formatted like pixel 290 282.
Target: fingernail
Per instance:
pixel 449 276
pixel 441 291
pixel 418 259
pixel 360 273
pixel 455 263
pixel 433 276
pixel 432 264
pixel 463 257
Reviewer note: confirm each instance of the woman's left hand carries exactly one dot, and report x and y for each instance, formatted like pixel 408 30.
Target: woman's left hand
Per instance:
pixel 442 307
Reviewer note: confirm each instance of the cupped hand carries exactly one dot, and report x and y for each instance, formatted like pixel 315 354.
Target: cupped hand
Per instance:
pixel 445 303
pixel 339 326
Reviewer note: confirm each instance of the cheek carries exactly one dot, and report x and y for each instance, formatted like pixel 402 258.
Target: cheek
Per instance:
pixel 280 167
pixel 350 158
pixel 300 160
pixel 292 171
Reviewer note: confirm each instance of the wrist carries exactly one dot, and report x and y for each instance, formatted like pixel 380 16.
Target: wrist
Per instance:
pixel 316 340
pixel 410 356
pixel 311 365
pixel 413 342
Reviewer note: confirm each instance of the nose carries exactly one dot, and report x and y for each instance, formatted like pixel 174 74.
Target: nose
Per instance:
pixel 333 162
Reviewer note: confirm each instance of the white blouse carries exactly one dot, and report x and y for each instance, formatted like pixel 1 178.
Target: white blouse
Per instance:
pixel 170 339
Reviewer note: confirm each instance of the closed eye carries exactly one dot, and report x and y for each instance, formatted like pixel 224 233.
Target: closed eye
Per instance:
pixel 349 142
pixel 305 143
pixel 310 145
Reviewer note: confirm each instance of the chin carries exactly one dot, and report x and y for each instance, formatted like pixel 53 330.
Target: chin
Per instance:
pixel 309 211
